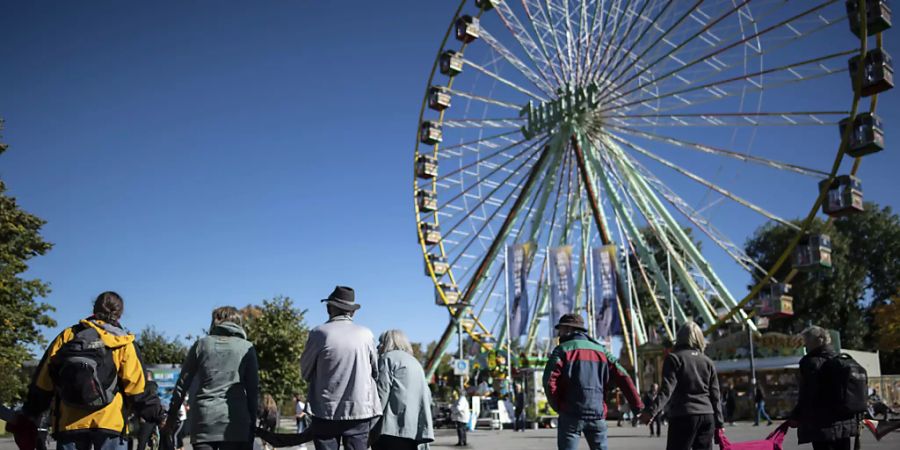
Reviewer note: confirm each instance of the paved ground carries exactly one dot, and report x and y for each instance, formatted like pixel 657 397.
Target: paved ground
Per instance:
pixel 626 438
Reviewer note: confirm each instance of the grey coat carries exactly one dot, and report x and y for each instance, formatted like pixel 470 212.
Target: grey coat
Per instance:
pixel 340 364
pixel 690 386
pixel 224 406
pixel 404 393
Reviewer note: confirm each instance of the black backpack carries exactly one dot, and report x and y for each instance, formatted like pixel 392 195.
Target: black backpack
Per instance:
pixel 847 384
pixel 83 371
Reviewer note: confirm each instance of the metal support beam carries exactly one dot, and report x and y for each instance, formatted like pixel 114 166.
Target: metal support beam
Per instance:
pixel 478 277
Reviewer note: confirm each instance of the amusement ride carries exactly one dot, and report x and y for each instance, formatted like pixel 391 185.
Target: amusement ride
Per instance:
pixel 580 150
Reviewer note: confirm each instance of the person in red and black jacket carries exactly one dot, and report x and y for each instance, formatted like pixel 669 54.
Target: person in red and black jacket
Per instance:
pixel 575 380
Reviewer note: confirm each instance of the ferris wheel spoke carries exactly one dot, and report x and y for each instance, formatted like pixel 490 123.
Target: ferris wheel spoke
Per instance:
pixel 488 100
pixel 593 49
pixel 603 62
pixel 704 182
pixel 676 48
pixel 718 51
pixel 720 239
pixel 509 18
pixel 500 184
pixel 610 69
pixel 509 122
pixel 485 179
pixel 563 22
pixel 615 39
pixel 726 153
pixel 670 29
pixel 556 28
pixel 542 29
pixel 504 80
pixel 483 140
pixel 485 158
pixel 811 118
pixel 517 63
pixel 717 89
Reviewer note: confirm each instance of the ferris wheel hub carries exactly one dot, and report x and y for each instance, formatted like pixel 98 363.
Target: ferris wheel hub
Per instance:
pixel 575 106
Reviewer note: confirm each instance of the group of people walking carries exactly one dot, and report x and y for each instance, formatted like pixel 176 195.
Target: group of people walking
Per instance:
pixel 365 394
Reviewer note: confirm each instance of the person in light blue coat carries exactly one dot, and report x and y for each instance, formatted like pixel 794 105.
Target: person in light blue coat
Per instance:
pixel 406 418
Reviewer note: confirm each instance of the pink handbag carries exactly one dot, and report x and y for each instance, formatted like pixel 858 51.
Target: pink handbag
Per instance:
pixel 772 442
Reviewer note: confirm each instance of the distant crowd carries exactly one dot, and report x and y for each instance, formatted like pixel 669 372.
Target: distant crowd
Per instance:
pixel 362 394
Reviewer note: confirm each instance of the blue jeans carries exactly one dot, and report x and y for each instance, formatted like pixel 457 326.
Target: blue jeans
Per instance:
pixel 761 412
pixel 88 440
pixel 571 428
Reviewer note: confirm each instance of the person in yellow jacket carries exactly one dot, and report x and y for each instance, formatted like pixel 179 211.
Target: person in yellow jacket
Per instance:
pixel 92 377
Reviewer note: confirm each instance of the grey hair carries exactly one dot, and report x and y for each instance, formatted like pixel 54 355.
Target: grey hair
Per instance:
pixel 817 336
pixel 392 340
pixel 690 335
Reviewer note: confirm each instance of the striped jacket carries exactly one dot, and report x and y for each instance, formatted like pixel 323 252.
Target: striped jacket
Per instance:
pixel 576 377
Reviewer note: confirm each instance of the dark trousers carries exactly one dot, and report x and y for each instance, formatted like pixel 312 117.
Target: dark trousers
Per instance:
pixel 656 423
pixel 461 432
pixel 519 421
pixel 95 440
pixel 223 445
pixel 145 430
pixel 394 443
pixel 840 444
pixel 333 434
pixel 691 432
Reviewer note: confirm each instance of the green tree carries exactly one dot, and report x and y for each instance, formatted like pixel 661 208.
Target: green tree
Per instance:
pixel 21 314
pixel 156 348
pixel 865 273
pixel 278 331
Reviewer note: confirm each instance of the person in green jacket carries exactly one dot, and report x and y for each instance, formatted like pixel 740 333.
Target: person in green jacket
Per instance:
pixel 223 410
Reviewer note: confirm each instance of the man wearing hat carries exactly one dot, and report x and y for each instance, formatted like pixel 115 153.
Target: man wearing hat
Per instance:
pixel 575 380
pixel 340 364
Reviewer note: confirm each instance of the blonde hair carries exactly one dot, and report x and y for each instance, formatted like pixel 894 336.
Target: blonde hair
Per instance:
pixel 690 335
pixel 269 403
pixel 394 340
pixel 226 314
pixel 817 336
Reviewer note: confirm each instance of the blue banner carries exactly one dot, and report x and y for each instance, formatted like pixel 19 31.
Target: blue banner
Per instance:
pixel 562 283
pixel 606 309
pixel 519 259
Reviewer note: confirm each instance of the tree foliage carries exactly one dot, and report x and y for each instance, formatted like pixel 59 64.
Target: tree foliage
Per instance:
pixel 21 314
pixel 278 331
pixel 863 279
pixel 156 348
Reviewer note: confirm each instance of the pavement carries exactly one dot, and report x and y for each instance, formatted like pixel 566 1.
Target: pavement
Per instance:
pixel 626 438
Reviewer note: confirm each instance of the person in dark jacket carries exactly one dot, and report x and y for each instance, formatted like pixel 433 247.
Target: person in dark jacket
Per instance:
pixel 575 379
pixel 690 387
pixel 147 429
pixel 759 397
pixel 224 408
pixel 519 408
pixel 730 403
pixel 649 398
pixel 815 417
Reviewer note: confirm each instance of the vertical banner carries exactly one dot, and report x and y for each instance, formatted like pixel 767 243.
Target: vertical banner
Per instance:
pixel 519 257
pixel 605 306
pixel 562 283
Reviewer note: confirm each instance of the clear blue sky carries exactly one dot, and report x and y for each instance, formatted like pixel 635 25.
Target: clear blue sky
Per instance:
pixel 196 154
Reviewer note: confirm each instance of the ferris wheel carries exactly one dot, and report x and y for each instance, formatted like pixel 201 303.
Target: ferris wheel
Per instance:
pixel 562 130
